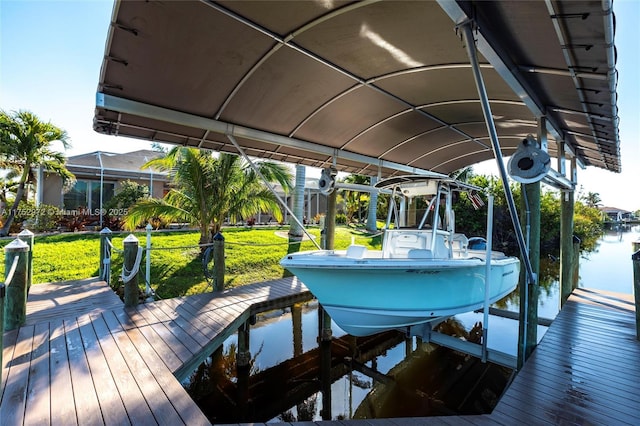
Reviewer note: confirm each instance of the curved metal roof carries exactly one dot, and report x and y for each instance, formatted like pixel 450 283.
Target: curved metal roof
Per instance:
pixel 376 86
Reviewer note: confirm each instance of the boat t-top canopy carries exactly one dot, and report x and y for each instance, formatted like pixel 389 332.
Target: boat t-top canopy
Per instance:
pixel 371 87
pixel 421 185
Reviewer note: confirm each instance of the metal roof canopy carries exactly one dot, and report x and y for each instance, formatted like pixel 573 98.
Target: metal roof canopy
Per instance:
pixel 373 87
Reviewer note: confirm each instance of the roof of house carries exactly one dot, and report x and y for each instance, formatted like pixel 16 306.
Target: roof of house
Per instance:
pixel 113 165
pixel 613 210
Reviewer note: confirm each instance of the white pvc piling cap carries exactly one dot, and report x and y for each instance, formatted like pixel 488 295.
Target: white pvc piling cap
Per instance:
pixel 131 239
pixel 26 233
pixel 17 245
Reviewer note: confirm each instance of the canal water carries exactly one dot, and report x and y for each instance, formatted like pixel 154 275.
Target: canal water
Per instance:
pixel 293 375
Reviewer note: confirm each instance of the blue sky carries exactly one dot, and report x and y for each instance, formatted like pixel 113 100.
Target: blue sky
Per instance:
pixel 51 52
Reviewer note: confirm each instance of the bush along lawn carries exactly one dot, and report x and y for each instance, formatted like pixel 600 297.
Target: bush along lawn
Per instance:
pixel 251 255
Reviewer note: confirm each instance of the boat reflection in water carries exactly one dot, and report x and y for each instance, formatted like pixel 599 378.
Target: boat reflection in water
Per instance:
pixel 340 377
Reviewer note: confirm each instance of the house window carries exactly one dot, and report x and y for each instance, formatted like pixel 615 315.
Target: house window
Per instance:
pixel 85 194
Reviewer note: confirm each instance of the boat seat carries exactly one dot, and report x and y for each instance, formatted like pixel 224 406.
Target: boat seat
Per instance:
pixel 420 254
pixel 356 251
pixel 401 243
pixel 441 250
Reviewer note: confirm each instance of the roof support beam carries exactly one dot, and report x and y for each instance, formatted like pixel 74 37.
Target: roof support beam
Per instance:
pixel 508 72
pixel 127 106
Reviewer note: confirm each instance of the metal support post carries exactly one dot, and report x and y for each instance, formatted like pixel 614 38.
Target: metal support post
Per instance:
pixel 469 42
pixel 487 278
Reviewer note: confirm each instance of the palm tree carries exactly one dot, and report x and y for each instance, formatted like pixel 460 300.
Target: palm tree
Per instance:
pixel 592 199
pixel 356 202
pixel 8 186
pixel 206 190
pixel 463 175
pixel 25 143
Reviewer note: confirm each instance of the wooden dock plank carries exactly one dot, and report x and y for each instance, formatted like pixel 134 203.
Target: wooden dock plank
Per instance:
pixel 179 326
pixel 15 393
pixel 185 407
pixel 160 406
pixel 138 412
pixel 185 322
pixel 61 388
pixel 584 371
pixel 111 405
pixel 133 319
pixel 39 401
pixel 9 342
pixel 69 299
pixel 84 393
pixel 184 352
pixel 181 310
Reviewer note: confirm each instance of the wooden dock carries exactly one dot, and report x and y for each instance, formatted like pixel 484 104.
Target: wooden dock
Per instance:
pixel 82 358
pixel 585 369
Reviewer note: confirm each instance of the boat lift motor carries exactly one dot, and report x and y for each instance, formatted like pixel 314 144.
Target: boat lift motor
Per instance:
pixel 327 181
pixel 529 163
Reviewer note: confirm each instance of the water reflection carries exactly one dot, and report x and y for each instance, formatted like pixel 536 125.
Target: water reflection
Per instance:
pixel 385 375
pixel 288 372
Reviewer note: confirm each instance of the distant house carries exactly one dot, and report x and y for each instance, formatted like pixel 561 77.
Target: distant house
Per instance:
pixel 98 177
pixel 616 214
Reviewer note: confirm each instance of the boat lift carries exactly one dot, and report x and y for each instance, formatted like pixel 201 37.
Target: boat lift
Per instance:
pixel 427 333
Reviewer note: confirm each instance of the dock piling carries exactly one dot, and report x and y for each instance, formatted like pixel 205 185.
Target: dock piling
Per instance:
pixel 635 258
pixel 2 295
pixel 130 269
pixel 27 237
pixel 218 262
pixel 15 278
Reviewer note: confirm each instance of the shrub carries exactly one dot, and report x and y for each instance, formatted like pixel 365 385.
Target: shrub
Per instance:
pixel 47 218
pixel 341 219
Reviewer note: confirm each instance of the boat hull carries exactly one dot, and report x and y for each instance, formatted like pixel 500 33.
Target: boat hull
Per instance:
pixel 367 296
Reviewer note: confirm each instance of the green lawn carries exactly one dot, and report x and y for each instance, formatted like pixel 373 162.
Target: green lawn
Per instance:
pixel 252 255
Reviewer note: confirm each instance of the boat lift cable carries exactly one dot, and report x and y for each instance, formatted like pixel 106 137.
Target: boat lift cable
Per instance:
pixel 272 189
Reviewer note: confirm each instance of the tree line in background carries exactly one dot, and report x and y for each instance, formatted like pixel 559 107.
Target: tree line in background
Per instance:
pixel 205 190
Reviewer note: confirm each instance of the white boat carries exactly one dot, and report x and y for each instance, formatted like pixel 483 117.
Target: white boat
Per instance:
pixel 422 274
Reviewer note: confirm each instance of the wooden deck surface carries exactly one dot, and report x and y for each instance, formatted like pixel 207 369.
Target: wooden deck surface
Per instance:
pixel 585 369
pixel 82 358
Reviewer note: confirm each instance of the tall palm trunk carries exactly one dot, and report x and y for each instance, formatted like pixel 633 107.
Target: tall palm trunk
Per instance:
pixel 19 194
